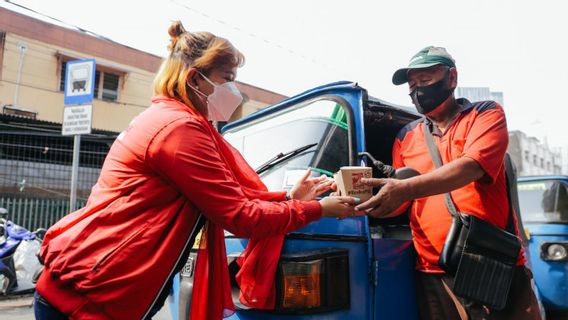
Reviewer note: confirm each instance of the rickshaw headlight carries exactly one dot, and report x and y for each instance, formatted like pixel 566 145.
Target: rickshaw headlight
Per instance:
pixel 554 251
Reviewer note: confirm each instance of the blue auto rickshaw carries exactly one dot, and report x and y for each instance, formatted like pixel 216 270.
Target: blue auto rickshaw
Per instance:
pixel 544 210
pixel 355 268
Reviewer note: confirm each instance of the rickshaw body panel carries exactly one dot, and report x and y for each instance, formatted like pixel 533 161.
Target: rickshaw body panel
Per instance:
pixel 551 277
pixel 381 270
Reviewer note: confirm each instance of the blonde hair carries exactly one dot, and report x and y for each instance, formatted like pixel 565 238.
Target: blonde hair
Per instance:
pixel 201 50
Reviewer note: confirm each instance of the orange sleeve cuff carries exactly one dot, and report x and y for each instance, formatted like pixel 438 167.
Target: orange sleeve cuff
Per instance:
pixel 484 166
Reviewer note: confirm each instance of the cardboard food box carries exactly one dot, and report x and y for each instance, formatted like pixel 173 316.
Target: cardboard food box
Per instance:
pixel 349 184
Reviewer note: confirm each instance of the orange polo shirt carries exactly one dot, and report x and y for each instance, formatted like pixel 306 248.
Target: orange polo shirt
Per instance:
pixel 480 133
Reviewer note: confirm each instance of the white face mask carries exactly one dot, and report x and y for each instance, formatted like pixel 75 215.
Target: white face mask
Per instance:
pixel 224 100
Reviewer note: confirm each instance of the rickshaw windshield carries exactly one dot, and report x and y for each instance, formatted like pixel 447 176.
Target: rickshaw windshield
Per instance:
pixel 320 122
pixel 544 201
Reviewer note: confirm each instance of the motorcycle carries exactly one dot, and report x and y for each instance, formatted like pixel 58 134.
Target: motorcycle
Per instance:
pixel 19 264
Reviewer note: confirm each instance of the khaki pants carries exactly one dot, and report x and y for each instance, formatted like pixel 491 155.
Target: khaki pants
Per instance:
pixel 437 301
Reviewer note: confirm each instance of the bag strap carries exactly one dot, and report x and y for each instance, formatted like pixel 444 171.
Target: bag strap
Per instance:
pixel 437 160
pixel 510 227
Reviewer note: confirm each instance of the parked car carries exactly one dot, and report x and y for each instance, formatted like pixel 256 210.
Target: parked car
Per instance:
pixel 355 268
pixel 544 209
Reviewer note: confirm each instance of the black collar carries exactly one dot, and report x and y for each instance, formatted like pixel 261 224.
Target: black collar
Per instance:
pixel 463 106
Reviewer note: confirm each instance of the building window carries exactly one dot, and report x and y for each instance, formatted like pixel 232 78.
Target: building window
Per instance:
pixel 97 81
pixel 110 86
pixel 62 76
pixel 542 163
pixel 535 161
pixel 527 155
pixel 106 83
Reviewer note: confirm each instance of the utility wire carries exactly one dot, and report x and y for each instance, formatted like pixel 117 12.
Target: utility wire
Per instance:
pixel 255 36
pixel 72 26
pixel 205 15
pixel 60 21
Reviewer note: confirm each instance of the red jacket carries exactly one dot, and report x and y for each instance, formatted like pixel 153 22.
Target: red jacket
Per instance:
pixel 111 258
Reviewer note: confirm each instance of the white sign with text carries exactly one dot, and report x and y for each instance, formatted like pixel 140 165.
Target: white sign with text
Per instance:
pixel 77 120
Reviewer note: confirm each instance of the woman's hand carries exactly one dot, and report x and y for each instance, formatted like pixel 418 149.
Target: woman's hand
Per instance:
pixel 333 188
pixel 309 188
pixel 338 207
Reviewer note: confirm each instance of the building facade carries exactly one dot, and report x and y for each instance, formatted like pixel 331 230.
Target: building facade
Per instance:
pixel 564 155
pixel 533 157
pixel 479 94
pixel 35 159
pixel 33 57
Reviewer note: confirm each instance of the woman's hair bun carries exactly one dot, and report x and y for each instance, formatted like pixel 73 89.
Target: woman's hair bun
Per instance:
pixel 175 30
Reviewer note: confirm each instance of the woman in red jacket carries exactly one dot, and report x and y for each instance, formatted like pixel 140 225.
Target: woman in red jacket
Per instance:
pixel 114 258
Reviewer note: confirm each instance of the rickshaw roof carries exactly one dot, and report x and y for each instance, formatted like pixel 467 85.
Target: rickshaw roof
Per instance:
pixel 317 91
pixel 541 178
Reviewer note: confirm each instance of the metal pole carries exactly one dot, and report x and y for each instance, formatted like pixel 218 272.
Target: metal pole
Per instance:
pixel 22 48
pixel 75 172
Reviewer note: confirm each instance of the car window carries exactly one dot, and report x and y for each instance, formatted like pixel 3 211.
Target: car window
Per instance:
pixel 543 201
pixel 322 122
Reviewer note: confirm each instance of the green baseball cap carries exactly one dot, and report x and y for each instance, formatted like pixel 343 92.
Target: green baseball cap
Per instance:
pixel 425 58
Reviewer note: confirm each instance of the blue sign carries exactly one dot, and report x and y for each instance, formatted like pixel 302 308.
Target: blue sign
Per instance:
pixel 79 81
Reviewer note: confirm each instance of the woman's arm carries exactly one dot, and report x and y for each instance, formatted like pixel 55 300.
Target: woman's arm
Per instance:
pixel 185 154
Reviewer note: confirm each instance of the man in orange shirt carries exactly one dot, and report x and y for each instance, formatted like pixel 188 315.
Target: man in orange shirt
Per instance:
pixel 472 139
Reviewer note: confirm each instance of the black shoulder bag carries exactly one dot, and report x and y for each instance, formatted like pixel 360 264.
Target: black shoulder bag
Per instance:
pixel 480 256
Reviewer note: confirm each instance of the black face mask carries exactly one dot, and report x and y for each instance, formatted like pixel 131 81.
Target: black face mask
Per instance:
pixel 428 98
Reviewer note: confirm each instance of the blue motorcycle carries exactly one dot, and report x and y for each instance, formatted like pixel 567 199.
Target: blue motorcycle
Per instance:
pixel 18 247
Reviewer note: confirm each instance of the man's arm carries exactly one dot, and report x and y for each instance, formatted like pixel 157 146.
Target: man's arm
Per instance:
pixel 394 193
pixel 481 160
pixel 454 175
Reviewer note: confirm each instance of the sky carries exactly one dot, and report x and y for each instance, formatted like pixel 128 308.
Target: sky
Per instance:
pixel 517 47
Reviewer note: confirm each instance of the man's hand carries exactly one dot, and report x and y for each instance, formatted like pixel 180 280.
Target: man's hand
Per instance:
pixel 308 189
pixel 392 195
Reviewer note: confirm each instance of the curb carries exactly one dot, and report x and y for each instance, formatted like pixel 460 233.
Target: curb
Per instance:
pixel 16 302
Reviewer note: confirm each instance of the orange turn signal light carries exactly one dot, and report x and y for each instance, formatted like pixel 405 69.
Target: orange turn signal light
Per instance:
pixel 313 281
pixel 302 284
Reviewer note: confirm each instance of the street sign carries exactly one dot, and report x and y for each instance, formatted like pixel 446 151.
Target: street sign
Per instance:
pixel 79 81
pixel 77 115
pixel 77 120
